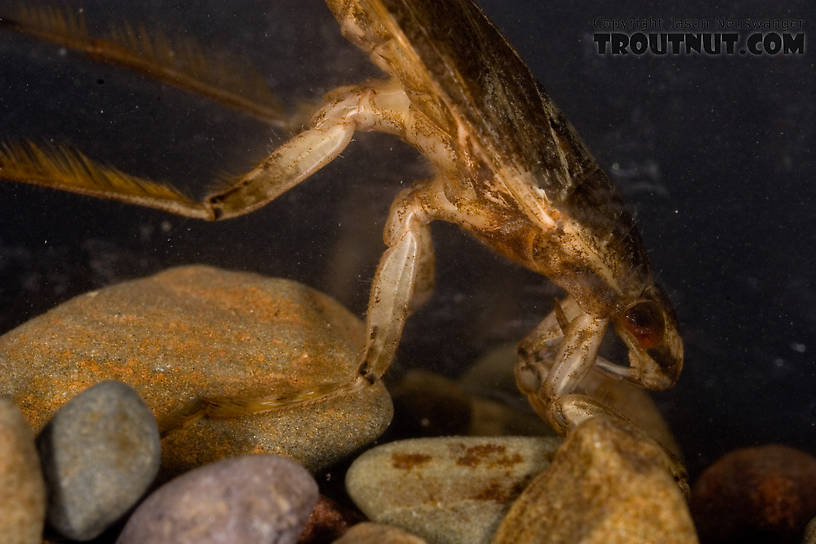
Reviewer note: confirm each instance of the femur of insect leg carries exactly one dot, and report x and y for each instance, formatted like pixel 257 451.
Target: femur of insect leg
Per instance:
pixel 346 110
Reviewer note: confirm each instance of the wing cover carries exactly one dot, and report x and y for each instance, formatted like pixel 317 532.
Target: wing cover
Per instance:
pixel 488 87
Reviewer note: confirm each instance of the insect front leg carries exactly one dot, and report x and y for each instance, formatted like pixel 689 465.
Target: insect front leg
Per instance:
pixel 553 360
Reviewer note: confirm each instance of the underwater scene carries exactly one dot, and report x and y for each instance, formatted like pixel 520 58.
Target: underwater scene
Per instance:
pixel 340 271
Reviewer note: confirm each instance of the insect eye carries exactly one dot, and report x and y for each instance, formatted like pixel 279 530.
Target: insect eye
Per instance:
pixel 645 322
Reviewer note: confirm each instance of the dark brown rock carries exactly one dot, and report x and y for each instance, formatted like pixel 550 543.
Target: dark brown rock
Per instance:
pixel 328 522
pixel 761 494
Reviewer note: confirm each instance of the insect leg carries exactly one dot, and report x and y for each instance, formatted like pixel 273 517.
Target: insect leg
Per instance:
pixel 403 281
pixel 551 366
pixel 404 275
pixel 344 111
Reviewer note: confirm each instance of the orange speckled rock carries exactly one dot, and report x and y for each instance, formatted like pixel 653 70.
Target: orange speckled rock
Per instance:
pixel 194 332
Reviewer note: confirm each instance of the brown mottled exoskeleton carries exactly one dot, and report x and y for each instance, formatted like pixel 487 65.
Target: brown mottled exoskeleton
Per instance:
pixel 509 169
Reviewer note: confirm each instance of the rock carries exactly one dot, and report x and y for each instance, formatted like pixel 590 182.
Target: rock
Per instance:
pixel 492 375
pixel 427 404
pixel 451 489
pixel 194 332
pixel 254 499
pixel 99 452
pixel 328 521
pixel 607 484
pixel 376 533
pixel 491 418
pixel 761 494
pixel 22 491
pixel 810 533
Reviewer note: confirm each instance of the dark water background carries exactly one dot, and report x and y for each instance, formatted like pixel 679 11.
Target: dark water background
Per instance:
pixel 715 155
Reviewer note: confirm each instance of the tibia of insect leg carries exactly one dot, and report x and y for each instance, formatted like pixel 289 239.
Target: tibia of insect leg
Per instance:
pixel 403 280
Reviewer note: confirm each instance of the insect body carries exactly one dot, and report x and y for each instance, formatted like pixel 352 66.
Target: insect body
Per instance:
pixel 508 168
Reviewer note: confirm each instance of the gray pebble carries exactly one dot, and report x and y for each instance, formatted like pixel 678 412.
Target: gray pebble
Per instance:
pixel 22 491
pixel 99 452
pixel 253 499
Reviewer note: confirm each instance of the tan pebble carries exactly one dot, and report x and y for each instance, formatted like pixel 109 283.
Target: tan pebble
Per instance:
pixel 194 332
pixel 376 533
pixel 447 489
pixel 608 484
pixel 22 489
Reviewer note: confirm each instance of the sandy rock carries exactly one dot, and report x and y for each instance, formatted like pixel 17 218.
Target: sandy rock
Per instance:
pixel 194 332
pixel 376 533
pixel 608 484
pixel 761 494
pixel 255 499
pixel 22 491
pixel 447 489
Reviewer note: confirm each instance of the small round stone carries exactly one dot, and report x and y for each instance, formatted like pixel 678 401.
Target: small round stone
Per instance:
pixel 99 452
pixel 22 491
pixel 254 500
pixel 761 494
pixel 328 521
